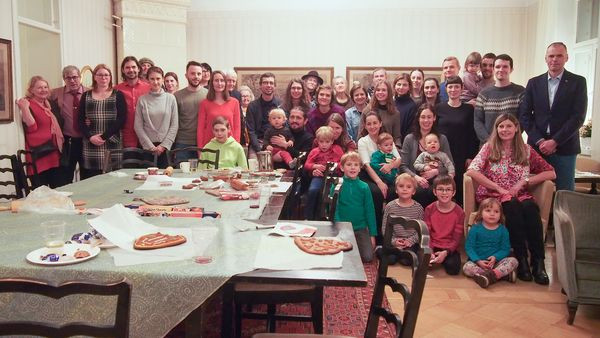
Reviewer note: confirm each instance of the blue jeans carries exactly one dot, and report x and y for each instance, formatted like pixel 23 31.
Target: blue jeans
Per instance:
pixel 316 184
pixel 182 156
pixel 564 166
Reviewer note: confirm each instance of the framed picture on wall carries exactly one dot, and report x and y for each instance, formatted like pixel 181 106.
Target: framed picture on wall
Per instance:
pixel 364 75
pixel 6 83
pixel 86 76
pixel 250 76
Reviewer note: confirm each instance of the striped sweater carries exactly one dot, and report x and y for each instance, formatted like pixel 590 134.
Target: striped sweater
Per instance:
pixel 493 101
pixel 415 211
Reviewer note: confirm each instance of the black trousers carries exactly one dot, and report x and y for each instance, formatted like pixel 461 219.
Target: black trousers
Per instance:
pixel 51 177
pixel 452 263
pixel 525 228
pixel 73 146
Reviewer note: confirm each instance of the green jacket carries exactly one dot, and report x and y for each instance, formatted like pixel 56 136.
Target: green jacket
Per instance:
pixel 231 154
pixel 355 204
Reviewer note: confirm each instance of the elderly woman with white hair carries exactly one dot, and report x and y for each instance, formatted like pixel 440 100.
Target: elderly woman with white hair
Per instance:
pixel 246 96
pixel 231 84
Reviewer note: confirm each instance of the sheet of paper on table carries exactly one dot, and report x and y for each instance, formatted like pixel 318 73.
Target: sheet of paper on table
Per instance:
pixel 153 182
pixel 288 229
pixel 280 253
pixel 121 226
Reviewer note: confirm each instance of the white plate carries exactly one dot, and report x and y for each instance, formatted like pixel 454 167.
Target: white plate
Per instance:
pixel 69 249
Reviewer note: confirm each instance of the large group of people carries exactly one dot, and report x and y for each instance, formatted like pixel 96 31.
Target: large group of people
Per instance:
pixel 404 144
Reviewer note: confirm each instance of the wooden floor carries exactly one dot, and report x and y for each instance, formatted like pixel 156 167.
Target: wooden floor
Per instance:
pixel 455 306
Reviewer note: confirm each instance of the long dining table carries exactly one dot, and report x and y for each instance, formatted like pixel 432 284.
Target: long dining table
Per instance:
pixel 166 293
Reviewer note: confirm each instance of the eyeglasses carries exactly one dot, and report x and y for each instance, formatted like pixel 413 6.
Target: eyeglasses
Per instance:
pixel 444 189
pixel 72 78
pixel 103 75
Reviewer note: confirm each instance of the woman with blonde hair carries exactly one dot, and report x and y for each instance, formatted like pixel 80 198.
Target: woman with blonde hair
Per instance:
pixel 246 96
pixel 43 135
pixel 103 111
pixel 504 168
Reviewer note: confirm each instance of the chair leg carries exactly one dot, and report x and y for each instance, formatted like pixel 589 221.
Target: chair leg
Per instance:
pixel 238 320
pixel 572 307
pixel 316 308
pixel 271 324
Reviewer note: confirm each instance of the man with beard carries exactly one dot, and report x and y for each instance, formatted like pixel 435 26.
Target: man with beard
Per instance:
pixel 487 70
pixel 303 140
pixel 188 103
pixel 257 116
pixel 67 99
pixel 132 88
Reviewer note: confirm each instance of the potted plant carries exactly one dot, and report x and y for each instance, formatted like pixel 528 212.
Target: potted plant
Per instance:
pixel 585 137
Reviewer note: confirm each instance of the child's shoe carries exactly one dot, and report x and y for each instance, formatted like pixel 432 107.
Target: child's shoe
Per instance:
pixel 487 278
pixel 293 163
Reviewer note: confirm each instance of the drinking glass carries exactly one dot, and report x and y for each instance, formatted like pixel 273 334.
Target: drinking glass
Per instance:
pixel 53 232
pixel 265 194
pixel 199 238
pixel 193 164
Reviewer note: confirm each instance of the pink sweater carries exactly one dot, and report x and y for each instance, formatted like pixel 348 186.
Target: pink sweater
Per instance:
pixel 207 113
pixel 316 156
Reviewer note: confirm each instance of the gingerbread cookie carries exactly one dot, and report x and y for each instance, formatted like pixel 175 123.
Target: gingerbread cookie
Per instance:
pixel 157 241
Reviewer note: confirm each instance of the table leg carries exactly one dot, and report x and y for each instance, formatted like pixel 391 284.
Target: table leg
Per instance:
pixel 593 189
pixel 227 313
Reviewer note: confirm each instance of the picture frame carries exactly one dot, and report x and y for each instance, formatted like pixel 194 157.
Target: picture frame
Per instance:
pixel 364 74
pixel 6 82
pixel 250 77
pixel 86 76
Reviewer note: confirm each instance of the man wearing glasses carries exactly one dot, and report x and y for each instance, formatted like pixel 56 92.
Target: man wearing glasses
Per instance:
pixel 67 99
pixel 257 117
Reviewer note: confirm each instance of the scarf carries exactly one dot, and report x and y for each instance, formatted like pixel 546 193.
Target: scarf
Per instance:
pixel 54 126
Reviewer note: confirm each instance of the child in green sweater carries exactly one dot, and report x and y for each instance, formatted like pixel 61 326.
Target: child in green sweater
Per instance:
pixel 231 153
pixel 355 205
pixel 385 144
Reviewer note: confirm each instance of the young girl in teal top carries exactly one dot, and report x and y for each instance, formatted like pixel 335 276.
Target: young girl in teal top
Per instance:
pixel 355 205
pixel 488 246
pixel 231 153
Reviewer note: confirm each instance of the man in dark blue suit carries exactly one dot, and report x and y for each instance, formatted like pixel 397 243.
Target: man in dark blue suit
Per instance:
pixel 552 112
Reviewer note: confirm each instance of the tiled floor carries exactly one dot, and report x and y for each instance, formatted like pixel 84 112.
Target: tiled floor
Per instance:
pixel 454 306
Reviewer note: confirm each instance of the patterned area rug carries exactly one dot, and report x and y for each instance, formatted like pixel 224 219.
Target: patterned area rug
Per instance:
pixel 345 309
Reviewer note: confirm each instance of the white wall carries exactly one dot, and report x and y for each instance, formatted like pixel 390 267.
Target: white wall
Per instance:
pixel 356 37
pixel 87 33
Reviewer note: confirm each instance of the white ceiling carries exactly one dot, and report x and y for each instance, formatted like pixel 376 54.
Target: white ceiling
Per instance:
pixel 319 5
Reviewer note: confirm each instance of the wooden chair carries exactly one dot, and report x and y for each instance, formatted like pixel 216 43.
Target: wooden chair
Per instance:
pixel 326 198
pixel 129 158
pixel 405 325
pixel 291 209
pixel 26 163
pixel 15 183
pixel 541 192
pixel 588 165
pixel 171 156
pixel 120 289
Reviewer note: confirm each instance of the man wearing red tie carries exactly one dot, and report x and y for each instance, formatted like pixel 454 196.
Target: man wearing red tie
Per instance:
pixel 66 99
pixel 132 88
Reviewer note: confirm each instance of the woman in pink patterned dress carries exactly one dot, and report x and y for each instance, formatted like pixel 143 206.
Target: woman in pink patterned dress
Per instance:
pixel 504 167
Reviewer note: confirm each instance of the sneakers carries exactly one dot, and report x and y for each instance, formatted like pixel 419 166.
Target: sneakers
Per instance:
pixel 481 280
pixel 293 163
pixel 487 278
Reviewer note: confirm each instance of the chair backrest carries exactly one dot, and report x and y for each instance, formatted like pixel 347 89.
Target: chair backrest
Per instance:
pixel 13 169
pixel 26 163
pixel 542 193
pixel 212 164
pixel 120 289
pixel 115 159
pixel 405 326
pixel 326 198
pixel 292 201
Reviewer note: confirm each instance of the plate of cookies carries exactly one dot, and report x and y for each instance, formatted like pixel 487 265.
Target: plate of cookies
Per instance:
pixel 65 255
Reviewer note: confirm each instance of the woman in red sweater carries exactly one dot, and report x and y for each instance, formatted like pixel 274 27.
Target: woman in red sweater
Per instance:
pixel 42 128
pixel 218 103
